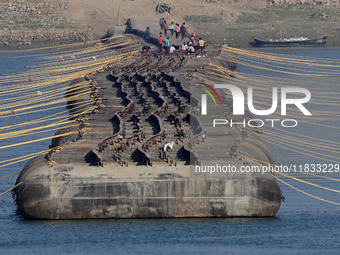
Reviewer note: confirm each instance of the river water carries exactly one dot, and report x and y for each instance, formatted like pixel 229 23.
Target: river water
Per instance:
pixel 303 225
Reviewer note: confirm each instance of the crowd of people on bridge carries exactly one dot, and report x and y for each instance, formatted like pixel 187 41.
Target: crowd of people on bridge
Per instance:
pixel 180 31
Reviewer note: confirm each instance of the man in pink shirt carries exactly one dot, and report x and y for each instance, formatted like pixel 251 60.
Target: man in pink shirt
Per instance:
pixel 177 29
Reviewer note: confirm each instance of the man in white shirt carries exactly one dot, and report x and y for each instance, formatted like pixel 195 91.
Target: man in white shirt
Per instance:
pixel 185 46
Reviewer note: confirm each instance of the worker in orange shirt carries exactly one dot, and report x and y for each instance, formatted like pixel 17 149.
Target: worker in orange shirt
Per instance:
pixel 160 43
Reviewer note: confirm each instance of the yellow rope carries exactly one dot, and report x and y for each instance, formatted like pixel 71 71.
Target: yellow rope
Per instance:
pixel 37 140
pixel 3 193
pixel 319 198
pixel 4 178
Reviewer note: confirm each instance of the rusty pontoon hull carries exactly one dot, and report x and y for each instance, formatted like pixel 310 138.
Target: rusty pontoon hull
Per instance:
pixel 78 193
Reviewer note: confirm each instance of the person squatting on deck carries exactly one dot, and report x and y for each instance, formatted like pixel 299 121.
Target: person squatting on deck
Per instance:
pixel 146 49
pixel 156 52
pixel 172 48
pixel 185 46
pixel 191 50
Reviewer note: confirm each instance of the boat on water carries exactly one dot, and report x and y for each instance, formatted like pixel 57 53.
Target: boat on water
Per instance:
pixel 291 42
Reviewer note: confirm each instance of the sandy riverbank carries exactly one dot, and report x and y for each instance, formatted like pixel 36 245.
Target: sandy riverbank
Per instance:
pixel 223 22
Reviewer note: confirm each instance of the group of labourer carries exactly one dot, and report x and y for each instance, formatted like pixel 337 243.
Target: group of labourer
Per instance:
pixel 178 30
pixel 173 28
pixel 168 48
pixel 190 46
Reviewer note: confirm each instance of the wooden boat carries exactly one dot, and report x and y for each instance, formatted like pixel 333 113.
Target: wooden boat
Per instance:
pixel 289 43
